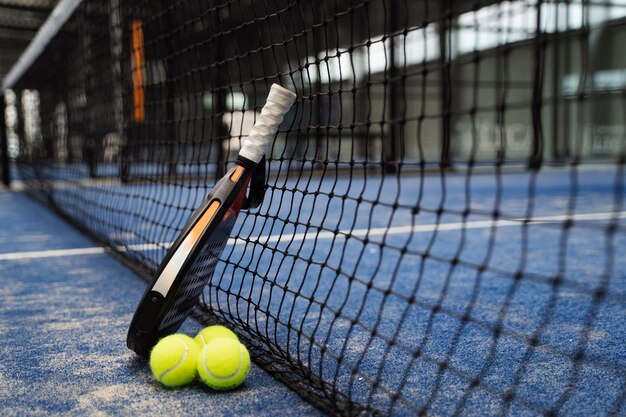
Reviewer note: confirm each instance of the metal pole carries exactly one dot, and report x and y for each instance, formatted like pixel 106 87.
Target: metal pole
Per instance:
pixel 220 132
pixel 392 147
pixel 5 168
pixel 171 68
pixel 445 81
pixel 536 156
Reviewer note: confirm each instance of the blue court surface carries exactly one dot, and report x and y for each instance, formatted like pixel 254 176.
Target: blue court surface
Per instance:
pixel 65 317
pixel 64 312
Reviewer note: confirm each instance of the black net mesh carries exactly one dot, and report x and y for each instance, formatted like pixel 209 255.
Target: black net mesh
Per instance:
pixel 443 226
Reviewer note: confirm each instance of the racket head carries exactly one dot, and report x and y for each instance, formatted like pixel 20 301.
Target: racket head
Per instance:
pixel 190 262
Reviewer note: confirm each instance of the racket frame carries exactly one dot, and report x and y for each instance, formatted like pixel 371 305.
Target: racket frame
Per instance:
pixel 164 291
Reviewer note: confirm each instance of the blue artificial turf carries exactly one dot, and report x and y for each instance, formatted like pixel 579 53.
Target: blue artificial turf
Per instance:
pixel 63 323
pixel 284 280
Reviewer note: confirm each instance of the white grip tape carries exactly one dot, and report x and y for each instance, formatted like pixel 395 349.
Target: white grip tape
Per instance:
pixel 279 101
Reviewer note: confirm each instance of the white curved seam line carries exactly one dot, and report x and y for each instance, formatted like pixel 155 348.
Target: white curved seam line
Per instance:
pixel 182 359
pixel 223 378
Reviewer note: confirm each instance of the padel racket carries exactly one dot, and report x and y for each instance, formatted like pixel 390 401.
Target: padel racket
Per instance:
pixel 190 262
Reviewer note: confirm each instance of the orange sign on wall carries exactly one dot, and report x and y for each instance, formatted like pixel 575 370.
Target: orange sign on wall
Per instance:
pixel 137 66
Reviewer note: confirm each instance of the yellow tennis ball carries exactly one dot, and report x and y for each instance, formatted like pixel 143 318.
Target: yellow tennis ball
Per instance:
pixel 173 360
pixel 213 332
pixel 224 363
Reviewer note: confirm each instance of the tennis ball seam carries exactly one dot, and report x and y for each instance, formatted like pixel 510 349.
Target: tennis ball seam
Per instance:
pixel 180 362
pixel 222 378
pixel 210 333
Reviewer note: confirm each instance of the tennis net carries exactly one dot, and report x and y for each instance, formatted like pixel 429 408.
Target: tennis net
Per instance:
pixel 443 226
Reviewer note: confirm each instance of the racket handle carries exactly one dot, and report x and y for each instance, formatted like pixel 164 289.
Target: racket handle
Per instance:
pixel 279 101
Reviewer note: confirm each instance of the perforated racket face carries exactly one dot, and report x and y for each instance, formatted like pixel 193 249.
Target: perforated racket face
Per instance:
pixel 198 274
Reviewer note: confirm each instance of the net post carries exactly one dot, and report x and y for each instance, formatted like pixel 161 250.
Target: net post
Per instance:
pixel 116 51
pixel 5 166
pixel 20 126
pixel 170 86
pixel 556 94
pixel 218 108
pixel 123 57
pixel 90 150
pixel 536 156
pixel 444 82
pixel 392 147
